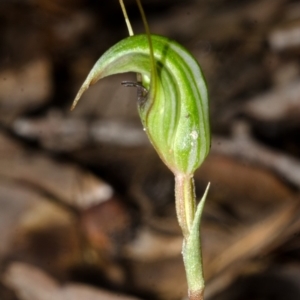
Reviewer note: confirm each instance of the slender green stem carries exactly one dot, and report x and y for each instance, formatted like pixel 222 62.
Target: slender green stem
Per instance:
pixel 185 202
pixel 189 220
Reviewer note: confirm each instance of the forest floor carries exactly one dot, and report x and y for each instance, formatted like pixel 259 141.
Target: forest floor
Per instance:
pixel 86 206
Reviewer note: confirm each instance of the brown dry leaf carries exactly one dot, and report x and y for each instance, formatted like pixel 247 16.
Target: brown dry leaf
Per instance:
pixel 15 201
pixel 48 236
pixel 34 228
pixel 31 283
pixel 107 226
pixel 67 182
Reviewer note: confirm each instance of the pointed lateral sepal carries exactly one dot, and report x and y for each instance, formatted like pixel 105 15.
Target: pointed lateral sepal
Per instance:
pixel 175 113
pixel 192 252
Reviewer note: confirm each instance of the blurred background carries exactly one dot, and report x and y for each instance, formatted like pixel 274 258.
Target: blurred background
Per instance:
pixel 87 208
